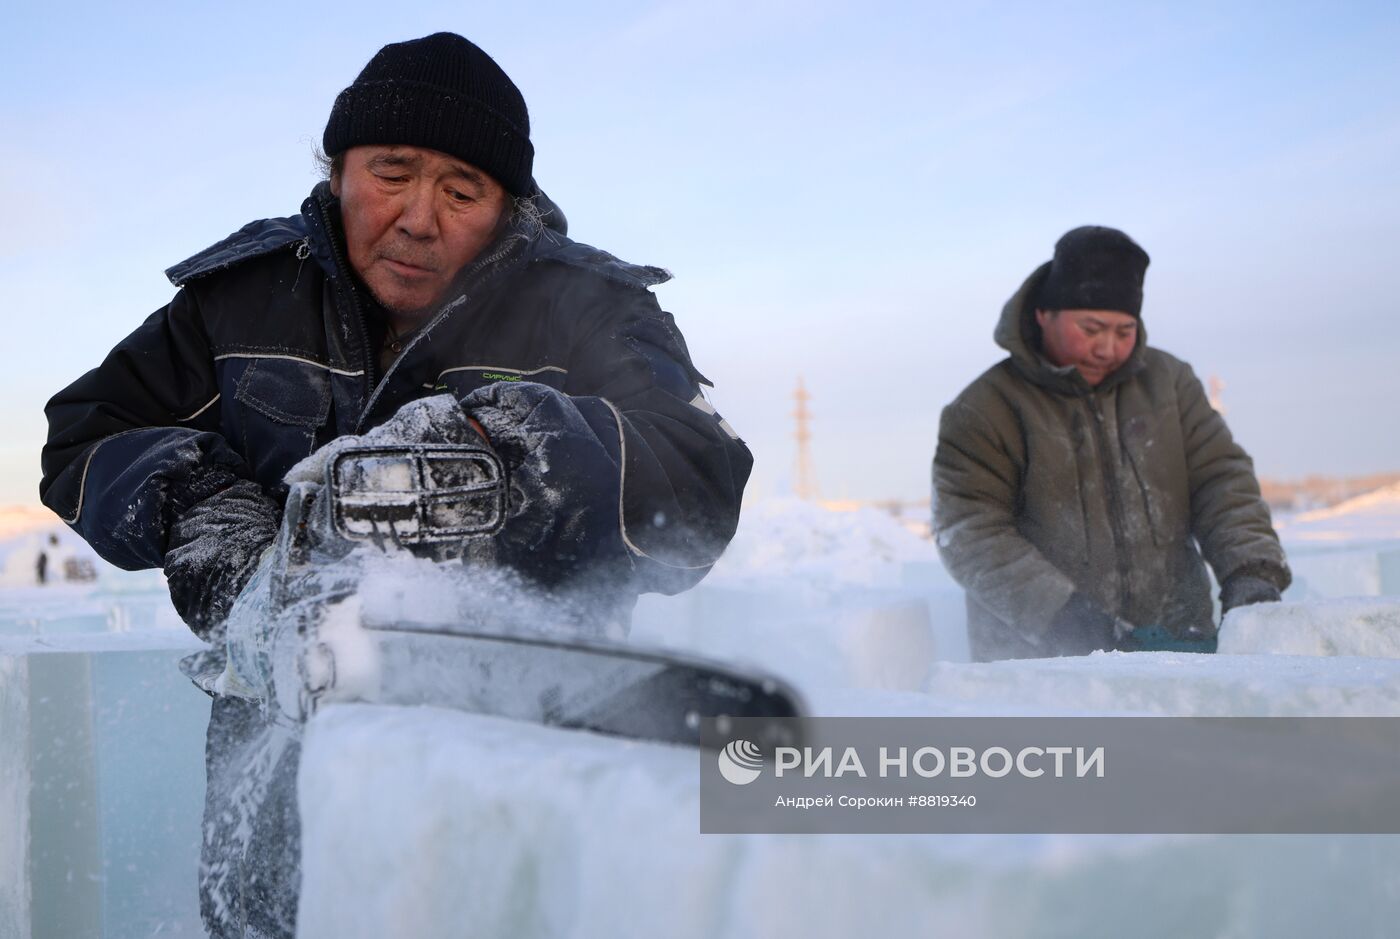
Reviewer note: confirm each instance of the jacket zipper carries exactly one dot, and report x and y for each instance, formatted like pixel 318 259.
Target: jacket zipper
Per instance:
pixel 1115 505
pixel 478 274
pixel 302 253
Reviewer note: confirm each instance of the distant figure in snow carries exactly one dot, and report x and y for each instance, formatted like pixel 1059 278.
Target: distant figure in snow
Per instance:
pixel 427 263
pixel 41 563
pixel 1079 482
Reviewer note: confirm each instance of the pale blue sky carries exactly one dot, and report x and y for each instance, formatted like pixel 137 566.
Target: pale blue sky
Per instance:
pixel 849 192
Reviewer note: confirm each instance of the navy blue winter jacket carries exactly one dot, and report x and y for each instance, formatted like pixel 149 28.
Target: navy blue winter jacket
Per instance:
pixel 264 355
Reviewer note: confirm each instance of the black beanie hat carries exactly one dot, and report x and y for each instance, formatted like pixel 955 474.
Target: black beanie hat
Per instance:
pixel 1095 268
pixel 443 93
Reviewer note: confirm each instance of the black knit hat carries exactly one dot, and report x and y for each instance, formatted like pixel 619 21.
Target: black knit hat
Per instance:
pixel 443 93
pixel 1095 268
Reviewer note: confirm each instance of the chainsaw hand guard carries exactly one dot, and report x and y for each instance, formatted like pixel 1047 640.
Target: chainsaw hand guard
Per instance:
pixel 416 495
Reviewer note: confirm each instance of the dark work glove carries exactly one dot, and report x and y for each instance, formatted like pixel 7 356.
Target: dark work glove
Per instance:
pixel 439 419
pixel 214 547
pixel 1246 589
pixel 563 514
pixel 1081 627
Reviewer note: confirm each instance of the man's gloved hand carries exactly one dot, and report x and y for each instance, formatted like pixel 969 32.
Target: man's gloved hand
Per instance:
pixel 1246 589
pixel 439 419
pixel 1081 627
pixel 564 482
pixel 222 526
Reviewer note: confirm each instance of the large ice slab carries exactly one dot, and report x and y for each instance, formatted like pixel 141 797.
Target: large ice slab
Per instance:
pixel 426 820
pixel 101 786
pixel 1154 683
pixel 15 888
pixel 429 823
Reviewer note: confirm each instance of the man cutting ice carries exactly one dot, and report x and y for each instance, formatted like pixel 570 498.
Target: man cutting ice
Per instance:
pixel 427 264
pixel 1080 482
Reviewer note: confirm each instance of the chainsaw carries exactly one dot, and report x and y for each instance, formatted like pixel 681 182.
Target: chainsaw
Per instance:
pixel 309 631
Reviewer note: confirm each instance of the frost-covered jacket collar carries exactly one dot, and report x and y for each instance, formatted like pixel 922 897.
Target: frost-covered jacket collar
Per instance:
pixel 1018 333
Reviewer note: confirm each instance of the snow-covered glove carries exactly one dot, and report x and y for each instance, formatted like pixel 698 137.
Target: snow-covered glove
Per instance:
pixel 1246 589
pixel 1081 627
pixel 215 542
pixel 564 481
pixel 439 419
pixel 435 420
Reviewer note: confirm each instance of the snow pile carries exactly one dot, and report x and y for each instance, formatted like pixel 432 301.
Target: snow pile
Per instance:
pixel 1374 516
pixel 1357 627
pixel 786 539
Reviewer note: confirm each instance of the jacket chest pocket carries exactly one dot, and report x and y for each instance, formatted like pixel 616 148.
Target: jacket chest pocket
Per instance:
pixel 280 406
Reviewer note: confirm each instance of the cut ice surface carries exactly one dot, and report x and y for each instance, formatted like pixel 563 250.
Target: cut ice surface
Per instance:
pixel 103 769
pixel 421 820
pixel 524 831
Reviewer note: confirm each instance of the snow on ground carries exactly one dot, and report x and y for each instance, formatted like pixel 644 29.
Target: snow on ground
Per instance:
pixel 1373 516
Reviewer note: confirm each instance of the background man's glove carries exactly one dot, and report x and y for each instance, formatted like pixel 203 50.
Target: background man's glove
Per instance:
pixel 1081 627
pixel 564 481
pixel 1246 589
pixel 222 527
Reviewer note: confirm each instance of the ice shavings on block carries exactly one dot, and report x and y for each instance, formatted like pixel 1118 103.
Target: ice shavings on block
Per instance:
pixel 1357 627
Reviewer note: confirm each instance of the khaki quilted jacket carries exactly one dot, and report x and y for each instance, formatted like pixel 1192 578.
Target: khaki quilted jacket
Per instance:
pixel 1044 485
